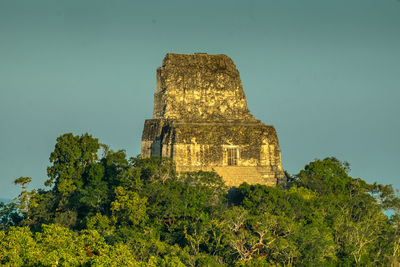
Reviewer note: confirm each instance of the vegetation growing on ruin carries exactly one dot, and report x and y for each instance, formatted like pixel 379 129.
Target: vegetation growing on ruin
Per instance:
pixel 101 208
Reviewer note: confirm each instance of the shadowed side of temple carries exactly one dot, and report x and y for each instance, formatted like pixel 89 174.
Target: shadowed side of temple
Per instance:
pixel 202 122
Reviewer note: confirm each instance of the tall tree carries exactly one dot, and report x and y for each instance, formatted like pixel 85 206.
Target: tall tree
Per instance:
pixel 71 156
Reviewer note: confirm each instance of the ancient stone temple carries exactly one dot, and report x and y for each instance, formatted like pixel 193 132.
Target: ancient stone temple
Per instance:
pixel 202 122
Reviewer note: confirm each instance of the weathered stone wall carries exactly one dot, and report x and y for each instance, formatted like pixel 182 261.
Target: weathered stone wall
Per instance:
pixel 202 146
pixel 199 87
pixel 201 120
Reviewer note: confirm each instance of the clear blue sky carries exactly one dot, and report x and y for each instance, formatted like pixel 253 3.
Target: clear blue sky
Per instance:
pixel 325 73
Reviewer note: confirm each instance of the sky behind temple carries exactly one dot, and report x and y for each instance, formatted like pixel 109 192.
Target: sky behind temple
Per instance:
pixel 325 73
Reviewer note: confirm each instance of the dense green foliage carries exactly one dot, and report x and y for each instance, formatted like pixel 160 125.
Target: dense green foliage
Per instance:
pixel 113 211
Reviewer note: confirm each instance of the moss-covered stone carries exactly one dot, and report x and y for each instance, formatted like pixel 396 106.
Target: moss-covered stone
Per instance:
pixel 201 120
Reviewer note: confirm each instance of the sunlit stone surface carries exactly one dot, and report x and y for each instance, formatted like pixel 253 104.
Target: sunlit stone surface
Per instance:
pixel 201 120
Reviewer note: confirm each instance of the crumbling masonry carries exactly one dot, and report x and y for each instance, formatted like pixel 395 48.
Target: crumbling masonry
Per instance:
pixel 202 122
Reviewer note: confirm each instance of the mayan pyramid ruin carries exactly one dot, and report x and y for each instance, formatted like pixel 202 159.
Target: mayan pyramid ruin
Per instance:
pixel 202 122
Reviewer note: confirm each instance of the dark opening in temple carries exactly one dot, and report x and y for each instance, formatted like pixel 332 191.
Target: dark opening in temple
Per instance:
pixel 232 156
